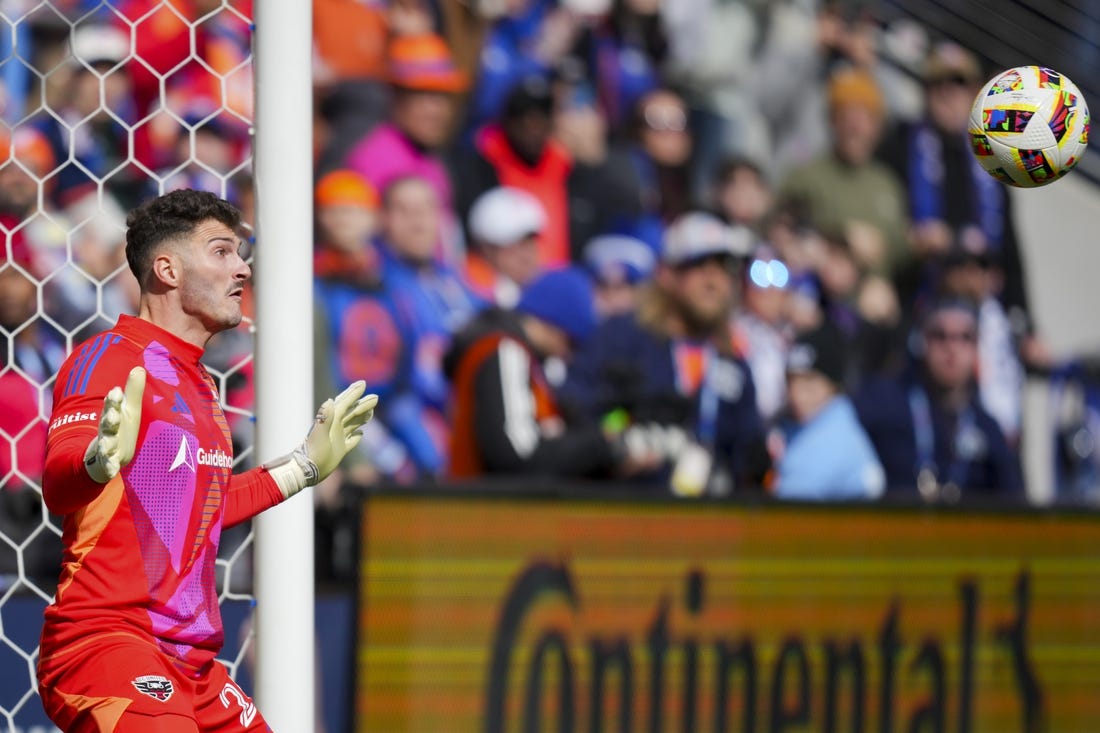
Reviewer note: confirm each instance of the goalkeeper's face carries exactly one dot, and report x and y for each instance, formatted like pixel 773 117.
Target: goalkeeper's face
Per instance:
pixel 214 274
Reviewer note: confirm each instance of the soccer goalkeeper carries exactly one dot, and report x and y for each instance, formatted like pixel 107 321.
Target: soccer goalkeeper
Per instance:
pixel 139 463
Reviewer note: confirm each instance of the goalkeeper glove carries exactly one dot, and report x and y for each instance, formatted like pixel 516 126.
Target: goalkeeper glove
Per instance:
pixel 337 429
pixel 113 447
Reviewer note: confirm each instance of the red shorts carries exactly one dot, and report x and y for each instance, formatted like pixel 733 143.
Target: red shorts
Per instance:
pixel 120 683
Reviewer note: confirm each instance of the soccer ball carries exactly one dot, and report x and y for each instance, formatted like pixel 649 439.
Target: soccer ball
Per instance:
pixel 1029 126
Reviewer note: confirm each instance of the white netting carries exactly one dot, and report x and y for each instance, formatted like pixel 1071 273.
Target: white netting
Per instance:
pixel 103 104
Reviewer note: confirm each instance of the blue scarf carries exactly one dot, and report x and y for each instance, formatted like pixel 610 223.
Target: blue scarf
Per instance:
pixel 926 187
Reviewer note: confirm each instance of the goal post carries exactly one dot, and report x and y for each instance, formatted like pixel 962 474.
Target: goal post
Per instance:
pixel 284 396
pixel 250 62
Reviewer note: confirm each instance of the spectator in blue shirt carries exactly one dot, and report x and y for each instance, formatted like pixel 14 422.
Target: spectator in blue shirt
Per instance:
pixel 826 453
pixel 435 302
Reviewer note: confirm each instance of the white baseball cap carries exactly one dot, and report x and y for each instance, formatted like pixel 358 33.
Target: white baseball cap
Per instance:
pixel 99 42
pixel 504 215
pixel 697 234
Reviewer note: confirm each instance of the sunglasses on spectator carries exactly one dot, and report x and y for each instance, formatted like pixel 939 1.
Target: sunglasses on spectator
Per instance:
pixel 950 80
pixel 665 118
pixel 942 336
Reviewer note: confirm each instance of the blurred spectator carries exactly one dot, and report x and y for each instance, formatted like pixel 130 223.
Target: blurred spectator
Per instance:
pixel 950 197
pixel 88 130
pixel 359 332
pixel 824 453
pixel 28 161
pixel 506 418
pixel 846 32
pixel 788 230
pixel 862 306
pixel 845 191
pixel 713 58
pixel 349 41
pixel 603 187
pixel 178 59
pixel 350 68
pixel 902 47
pixel 626 51
pixel 762 329
pixel 612 49
pixel 671 364
pixel 32 345
pixel 660 150
pixel 929 428
pixel 30 354
pixel 211 146
pixel 347 218
pixel 518 151
pixel 620 267
pixel 424 82
pixel 92 284
pixel 466 26
pixel 788 90
pixel 433 299
pixel 741 194
pixel 64 249
pixel 969 271
pixel 22 456
pixel 528 41
pixel 505 225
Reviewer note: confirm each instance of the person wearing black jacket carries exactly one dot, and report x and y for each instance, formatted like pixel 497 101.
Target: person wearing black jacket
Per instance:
pixel 672 364
pixel 505 415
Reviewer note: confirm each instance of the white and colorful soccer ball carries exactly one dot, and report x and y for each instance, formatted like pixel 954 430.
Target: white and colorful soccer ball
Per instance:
pixel 1029 126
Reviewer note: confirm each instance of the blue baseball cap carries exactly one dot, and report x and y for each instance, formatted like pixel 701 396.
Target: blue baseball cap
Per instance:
pixel 562 298
pixel 619 258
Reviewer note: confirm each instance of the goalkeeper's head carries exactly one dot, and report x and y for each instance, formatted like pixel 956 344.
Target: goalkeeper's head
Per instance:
pixel 172 217
pixel 185 251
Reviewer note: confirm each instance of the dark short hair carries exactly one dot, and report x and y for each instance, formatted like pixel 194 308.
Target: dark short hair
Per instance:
pixel 169 217
pixel 530 95
pixel 724 171
pixel 943 303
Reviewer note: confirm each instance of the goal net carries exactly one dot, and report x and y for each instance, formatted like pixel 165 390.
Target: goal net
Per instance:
pixel 102 105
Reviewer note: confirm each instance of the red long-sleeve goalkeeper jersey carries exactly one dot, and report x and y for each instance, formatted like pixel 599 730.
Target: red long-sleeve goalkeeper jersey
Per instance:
pixel 139 551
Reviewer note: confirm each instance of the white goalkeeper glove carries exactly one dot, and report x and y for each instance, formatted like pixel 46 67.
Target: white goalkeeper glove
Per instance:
pixel 113 447
pixel 336 430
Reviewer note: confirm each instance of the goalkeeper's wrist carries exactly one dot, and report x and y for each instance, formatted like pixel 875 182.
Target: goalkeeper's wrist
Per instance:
pixel 293 472
pixel 94 465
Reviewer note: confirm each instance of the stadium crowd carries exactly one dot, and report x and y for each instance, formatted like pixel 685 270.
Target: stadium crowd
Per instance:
pixel 703 246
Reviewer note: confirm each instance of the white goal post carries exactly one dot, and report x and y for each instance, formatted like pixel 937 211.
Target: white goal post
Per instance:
pixel 271 565
pixel 284 396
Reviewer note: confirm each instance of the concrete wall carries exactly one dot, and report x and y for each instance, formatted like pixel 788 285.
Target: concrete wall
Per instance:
pixel 1059 230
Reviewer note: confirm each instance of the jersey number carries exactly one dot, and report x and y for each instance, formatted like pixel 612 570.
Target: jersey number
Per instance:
pixel 248 709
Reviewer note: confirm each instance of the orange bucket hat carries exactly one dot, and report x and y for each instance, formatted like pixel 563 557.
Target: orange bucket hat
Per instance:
pixel 855 87
pixel 424 63
pixel 344 187
pixel 30 147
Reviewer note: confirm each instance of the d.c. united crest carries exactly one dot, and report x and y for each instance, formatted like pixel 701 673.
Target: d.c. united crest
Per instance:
pixel 155 686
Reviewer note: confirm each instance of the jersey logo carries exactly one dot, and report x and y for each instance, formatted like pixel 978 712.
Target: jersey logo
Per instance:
pixel 183 456
pixel 71 418
pixel 180 406
pixel 82 367
pixel 155 686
